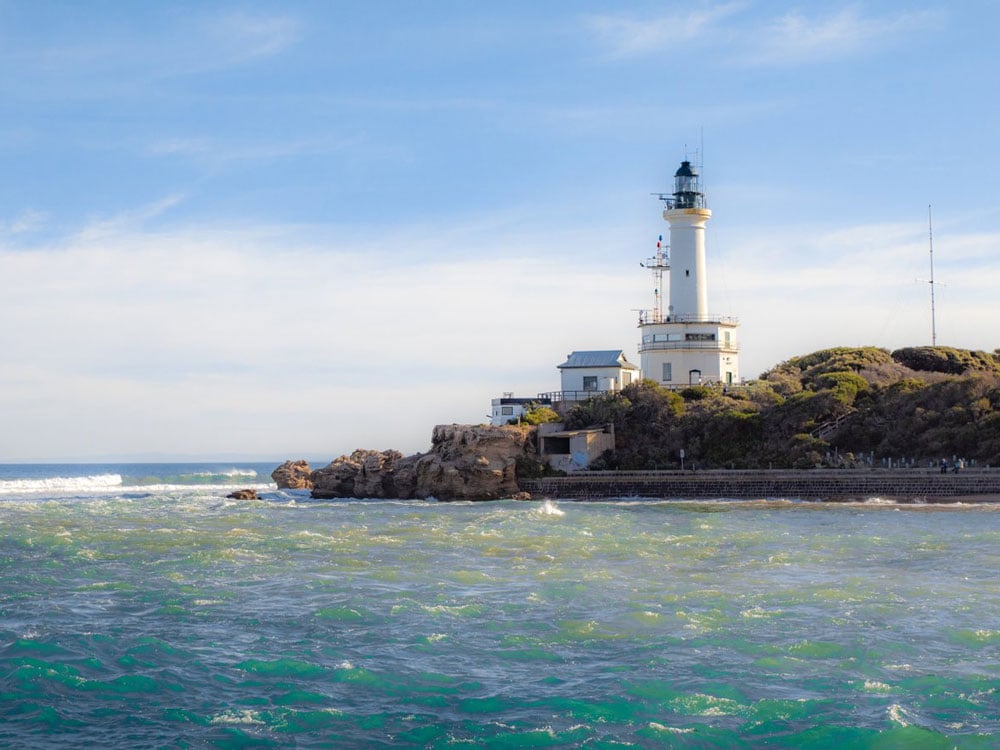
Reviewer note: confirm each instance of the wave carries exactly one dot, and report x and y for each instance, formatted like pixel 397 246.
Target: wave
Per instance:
pixel 94 483
pixel 222 477
pixel 124 478
pixel 231 473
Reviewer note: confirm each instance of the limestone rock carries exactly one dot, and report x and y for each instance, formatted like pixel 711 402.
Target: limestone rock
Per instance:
pixel 472 462
pixel 293 475
pixel 466 462
pixel 365 473
pixel 244 495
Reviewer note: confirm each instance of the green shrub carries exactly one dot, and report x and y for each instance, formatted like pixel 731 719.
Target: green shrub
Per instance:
pixel 696 392
pixel 540 415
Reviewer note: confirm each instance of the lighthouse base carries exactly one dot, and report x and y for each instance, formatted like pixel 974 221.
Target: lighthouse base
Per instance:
pixel 679 353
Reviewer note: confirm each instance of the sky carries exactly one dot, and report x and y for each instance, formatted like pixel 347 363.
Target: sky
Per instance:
pixel 269 230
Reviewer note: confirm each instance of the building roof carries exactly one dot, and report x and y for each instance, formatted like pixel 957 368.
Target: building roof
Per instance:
pixel 575 433
pixel 509 400
pixel 604 358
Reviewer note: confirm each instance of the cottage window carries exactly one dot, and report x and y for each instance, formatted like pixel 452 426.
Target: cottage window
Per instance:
pixel 590 382
pixel 507 411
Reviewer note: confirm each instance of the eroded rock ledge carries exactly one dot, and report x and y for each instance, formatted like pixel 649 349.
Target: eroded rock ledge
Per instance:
pixel 465 462
pixel 293 475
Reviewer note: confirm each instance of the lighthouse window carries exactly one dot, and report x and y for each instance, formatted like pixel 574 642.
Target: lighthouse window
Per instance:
pixel 668 372
pixel 699 337
pixel 687 272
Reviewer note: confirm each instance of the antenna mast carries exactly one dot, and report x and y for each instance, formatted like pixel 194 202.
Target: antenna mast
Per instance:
pixel 658 264
pixel 930 239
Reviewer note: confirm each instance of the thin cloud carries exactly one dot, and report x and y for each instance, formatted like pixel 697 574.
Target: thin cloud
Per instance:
pixel 793 38
pixel 617 119
pixel 26 222
pixel 628 36
pixel 246 37
pixel 180 147
pixel 100 229
pixel 796 38
pixel 126 55
pixel 218 153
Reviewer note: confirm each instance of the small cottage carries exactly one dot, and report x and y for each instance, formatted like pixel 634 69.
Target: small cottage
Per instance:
pixel 589 373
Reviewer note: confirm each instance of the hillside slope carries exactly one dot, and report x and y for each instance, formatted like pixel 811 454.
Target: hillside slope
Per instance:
pixel 836 407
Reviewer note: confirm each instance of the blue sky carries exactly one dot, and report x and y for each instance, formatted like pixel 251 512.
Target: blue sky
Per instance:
pixel 271 230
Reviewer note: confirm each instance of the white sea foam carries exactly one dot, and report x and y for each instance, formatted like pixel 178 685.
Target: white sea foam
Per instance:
pixel 237 717
pixel 673 730
pixel 233 473
pixel 549 508
pixel 114 484
pixel 877 686
pixel 879 501
pixel 95 483
pixel 899 715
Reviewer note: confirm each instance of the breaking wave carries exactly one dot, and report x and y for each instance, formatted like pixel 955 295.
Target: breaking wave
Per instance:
pixel 94 483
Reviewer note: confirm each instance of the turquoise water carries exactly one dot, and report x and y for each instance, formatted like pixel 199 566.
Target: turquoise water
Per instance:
pixel 176 618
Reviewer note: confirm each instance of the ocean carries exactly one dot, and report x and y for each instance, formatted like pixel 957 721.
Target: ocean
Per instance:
pixel 140 608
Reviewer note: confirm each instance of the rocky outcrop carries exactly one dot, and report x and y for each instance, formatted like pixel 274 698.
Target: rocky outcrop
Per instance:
pixel 469 462
pixel 365 473
pixel 465 462
pixel 293 475
pixel 243 495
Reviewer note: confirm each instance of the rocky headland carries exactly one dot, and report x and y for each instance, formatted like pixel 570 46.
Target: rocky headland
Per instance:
pixel 465 462
pixel 861 409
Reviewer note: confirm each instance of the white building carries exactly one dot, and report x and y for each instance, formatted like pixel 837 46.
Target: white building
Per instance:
pixel 509 407
pixel 590 373
pixel 688 345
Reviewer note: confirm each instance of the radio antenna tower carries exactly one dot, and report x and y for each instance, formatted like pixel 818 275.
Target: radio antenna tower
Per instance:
pixel 658 264
pixel 930 240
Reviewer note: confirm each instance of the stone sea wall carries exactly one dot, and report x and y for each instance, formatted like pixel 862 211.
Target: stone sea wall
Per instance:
pixel 906 485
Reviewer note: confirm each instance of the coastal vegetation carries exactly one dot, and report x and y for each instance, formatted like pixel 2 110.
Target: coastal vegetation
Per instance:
pixel 536 415
pixel 841 407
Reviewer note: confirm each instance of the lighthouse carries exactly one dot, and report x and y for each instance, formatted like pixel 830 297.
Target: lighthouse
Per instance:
pixel 686 345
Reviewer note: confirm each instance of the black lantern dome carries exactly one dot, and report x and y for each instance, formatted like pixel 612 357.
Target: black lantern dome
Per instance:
pixel 687 187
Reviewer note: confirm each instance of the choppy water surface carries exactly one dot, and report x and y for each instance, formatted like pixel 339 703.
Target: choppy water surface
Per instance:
pixel 180 619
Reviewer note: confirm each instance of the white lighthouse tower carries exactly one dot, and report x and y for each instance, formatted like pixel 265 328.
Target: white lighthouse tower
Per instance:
pixel 687 345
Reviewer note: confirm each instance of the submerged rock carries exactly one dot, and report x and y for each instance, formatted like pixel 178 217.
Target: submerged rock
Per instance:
pixel 243 495
pixel 293 475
